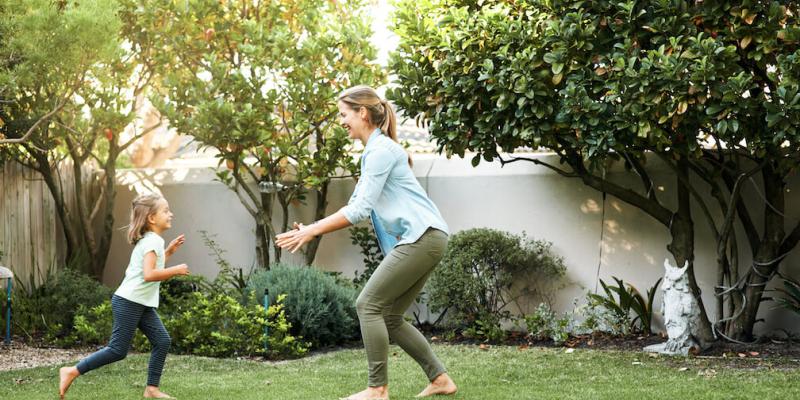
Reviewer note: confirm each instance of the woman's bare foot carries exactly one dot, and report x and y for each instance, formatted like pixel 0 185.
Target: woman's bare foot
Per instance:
pixel 370 393
pixel 442 384
pixel 65 376
pixel 152 392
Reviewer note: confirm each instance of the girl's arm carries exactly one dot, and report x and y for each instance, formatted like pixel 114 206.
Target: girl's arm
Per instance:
pixel 174 245
pixel 151 274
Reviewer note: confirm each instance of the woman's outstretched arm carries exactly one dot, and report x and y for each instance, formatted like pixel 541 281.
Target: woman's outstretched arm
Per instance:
pixel 303 234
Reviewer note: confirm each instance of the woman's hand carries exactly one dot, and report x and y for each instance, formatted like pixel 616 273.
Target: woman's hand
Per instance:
pixel 174 245
pixel 295 238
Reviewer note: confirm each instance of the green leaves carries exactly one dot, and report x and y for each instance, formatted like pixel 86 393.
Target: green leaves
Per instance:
pixel 624 299
pixel 473 282
pixel 684 72
pixel 259 84
pixel 791 295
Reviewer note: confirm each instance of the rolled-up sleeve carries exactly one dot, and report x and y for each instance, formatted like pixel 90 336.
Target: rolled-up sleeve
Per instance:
pixel 377 166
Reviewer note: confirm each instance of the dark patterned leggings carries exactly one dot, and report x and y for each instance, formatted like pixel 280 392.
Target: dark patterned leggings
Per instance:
pixel 128 316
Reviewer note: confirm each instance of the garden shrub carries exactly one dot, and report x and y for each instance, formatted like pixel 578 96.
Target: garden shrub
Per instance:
pixel 320 310
pixel 48 310
pixel 632 310
pixel 597 318
pixel 92 326
pixel 219 326
pixel 485 327
pixel 213 325
pixel 485 270
pixel 544 323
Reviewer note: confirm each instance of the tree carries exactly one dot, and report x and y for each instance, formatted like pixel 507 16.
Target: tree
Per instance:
pixel 604 81
pixel 64 76
pixel 754 115
pixel 257 82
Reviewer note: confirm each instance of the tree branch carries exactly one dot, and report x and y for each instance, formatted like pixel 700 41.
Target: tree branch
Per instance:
pixel 560 171
pixel 240 182
pixel 124 146
pixel 646 181
pixel 36 125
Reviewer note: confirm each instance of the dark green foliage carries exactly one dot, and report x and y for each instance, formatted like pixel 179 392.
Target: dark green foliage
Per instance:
pixel 320 310
pixel 214 325
pixel 485 327
pixel 628 299
pixel 177 289
pixel 92 326
pixel 365 239
pixel 217 325
pixel 475 278
pixel 791 295
pixel 48 309
pixel 706 86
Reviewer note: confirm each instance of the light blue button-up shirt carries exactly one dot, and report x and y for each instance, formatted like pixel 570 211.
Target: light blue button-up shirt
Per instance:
pixel 389 192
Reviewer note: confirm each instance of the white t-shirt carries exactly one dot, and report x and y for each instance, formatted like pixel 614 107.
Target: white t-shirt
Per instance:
pixel 133 287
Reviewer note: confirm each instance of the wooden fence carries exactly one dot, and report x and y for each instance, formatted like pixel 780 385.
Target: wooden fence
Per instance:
pixel 31 237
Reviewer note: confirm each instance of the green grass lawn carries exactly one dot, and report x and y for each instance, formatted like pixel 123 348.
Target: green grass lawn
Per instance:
pixel 496 373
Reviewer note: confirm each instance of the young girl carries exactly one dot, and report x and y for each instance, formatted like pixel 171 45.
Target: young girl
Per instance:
pixel 412 235
pixel 135 301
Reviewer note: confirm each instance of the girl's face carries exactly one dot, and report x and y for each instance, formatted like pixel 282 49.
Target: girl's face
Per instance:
pixel 161 219
pixel 355 121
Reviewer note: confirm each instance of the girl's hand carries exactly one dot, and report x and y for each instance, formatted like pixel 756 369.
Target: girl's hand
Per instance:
pixel 295 238
pixel 175 244
pixel 181 269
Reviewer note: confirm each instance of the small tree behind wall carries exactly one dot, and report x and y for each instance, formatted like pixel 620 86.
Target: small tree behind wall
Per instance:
pixel 257 82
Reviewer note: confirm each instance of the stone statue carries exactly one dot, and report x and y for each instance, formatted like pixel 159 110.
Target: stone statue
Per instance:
pixel 681 314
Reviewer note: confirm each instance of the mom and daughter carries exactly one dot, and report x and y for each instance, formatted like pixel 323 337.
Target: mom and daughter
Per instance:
pixel 410 230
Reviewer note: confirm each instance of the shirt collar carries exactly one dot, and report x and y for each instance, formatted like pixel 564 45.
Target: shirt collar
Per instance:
pixel 372 136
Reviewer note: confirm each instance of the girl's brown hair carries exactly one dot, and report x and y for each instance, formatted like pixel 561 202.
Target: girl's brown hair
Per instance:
pixel 142 207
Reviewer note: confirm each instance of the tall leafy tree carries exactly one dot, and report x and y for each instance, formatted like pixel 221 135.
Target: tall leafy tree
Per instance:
pixel 66 91
pixel 753 117
pixel 256 81
pixel 604 81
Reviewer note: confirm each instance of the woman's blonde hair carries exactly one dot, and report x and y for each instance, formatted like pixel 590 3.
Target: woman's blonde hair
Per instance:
pixel 142 207
pixel 379 111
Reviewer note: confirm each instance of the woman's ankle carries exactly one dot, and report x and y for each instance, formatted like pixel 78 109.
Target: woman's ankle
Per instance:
pixel 381 389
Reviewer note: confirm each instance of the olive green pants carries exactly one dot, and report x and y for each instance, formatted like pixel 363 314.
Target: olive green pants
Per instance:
pixel 392 288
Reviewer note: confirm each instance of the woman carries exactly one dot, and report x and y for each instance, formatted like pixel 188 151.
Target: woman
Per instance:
pixel 411 234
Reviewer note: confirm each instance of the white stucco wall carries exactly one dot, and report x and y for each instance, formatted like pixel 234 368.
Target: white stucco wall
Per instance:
pixel 519 197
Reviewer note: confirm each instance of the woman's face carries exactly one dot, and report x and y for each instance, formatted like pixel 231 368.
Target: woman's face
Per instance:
pixel 354 121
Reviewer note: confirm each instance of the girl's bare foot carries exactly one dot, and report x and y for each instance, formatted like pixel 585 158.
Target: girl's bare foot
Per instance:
pixel 442 384
pixel 65 376
pixel 152 392
pixel 370 393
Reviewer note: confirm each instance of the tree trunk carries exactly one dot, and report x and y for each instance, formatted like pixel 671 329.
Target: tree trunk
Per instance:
pixel 682 248
pixel 104 242
pixel 767 256
pixel 319 213
pixel 262 243
pixel 83 221
pixel 267 202
pixel 73 250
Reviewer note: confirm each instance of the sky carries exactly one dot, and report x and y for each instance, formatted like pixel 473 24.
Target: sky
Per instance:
pixel 383 39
